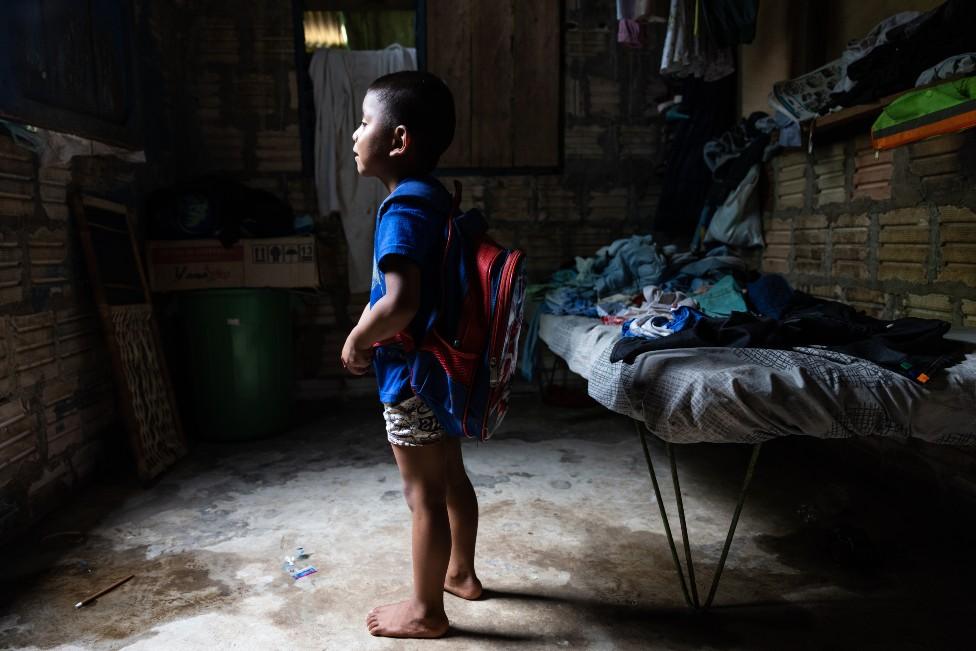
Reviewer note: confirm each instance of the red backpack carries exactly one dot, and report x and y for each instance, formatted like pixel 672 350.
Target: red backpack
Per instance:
pixel 463 369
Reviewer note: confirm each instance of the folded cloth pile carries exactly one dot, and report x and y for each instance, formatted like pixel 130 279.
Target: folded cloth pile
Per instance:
pixel 910 346
pixel 622 285
pixel 617 271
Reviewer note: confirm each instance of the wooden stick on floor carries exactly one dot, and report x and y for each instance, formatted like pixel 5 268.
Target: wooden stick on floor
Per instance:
pixel 89 599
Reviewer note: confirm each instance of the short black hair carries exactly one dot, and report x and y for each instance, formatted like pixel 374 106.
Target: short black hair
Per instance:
pixel 423 103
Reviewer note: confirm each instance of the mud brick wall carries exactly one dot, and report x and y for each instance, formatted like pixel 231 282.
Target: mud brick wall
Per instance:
pixel 233 98
pixel 236 104
pixel 612 144
pixel 613 149
pixel 893 234
pixel 57 400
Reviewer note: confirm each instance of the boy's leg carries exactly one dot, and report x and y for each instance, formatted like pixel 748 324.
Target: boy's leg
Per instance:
pixel 425 487
pixel 462 508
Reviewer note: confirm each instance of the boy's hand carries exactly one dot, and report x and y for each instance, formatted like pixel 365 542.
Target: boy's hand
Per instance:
pixel 388 316
pixel 355 358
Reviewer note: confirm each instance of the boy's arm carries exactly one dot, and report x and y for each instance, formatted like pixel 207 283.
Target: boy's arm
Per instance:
pixel 388 316
pixel 363 315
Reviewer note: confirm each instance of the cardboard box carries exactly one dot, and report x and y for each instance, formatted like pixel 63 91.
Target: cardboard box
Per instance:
pixel 205 264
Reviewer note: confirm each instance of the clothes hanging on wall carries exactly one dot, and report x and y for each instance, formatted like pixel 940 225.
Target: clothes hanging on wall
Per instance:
pixel 709 106
pixel 732 199
pixel 689 49
pixel 730 22
pixel 810 94
pixel 737 221
pixel 633 9
pixel 634 18
pixel 954 66
pixel 340 79
pixel 908 50
pixel 629 33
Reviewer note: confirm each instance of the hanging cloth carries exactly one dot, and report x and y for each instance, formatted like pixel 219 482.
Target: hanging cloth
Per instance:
pixel 340 79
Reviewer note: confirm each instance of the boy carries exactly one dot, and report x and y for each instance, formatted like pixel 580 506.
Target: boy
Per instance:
pixel 408 122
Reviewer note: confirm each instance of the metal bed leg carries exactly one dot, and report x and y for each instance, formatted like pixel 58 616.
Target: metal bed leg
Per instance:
pixel 691 598
pixel 664 517
pixel 735 521
pixel 684 526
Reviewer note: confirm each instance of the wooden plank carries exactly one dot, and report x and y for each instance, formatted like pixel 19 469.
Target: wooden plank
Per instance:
pixel 536 83
pixel 360 5
pixel 168 447
pixel 849 115
pixel 862 111
pixel 449 57
pixel 104 204
pixel 492 84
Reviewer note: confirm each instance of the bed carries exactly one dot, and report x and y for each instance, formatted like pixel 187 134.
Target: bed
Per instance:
pixel 752 395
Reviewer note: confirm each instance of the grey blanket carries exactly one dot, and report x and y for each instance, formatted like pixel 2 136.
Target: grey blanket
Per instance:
pixel 749 395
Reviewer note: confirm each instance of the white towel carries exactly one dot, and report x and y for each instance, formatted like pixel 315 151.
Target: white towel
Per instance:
pixel 340 79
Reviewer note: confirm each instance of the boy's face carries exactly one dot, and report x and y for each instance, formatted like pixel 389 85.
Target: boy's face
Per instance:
pixel 373 140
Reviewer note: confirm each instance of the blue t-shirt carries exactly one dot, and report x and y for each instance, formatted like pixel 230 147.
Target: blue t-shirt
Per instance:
pixel 409 223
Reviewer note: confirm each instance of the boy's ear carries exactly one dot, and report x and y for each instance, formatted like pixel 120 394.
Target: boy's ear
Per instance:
pixel 401 141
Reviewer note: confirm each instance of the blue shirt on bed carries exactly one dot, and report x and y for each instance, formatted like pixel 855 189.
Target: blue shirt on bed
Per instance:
pixel 409 223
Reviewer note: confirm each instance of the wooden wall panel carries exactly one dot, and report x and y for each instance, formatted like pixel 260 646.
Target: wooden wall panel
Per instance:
pixel 502 61
pixel 492 85
pixel 449 57
pixel 537 82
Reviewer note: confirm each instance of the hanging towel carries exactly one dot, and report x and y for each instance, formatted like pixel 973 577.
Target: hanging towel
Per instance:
pixel 340 79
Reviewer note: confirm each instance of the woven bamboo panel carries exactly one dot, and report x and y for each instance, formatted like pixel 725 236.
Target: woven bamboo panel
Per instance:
pixel 158 440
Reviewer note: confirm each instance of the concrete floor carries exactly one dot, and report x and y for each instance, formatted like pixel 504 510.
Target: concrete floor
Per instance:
pixel 571 548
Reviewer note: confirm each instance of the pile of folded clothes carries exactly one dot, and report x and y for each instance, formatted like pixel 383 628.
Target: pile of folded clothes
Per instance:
pixel 773 315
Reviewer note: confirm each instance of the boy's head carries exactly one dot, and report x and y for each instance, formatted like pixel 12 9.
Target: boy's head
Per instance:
pixel 408 122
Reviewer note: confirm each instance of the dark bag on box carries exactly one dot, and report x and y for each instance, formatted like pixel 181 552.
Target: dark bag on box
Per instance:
pixel 214 207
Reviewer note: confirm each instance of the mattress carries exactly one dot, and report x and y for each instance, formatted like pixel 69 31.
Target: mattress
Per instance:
pixel 750 395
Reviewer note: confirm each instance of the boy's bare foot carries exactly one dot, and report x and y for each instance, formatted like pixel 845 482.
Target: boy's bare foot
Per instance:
pixel 466 586
pixel 405 619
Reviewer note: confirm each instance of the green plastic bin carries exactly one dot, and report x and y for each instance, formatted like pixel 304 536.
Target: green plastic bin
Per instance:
pixel 241 362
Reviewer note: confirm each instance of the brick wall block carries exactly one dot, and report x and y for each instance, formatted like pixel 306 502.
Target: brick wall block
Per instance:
pixel 872 173
pixel 913 216
pixel 969 312
pixel 904 253
pixel 638 141
pixel 607 206
pixel 829 175
pixel 584 142
pixel 959 272
pixel 901 271
pixel 904 234
pixel 604 97
pixel 790 184
pixel 775 266
pixel 849 252
pixel 777 251
pixel 557 203
pixel 850 269
pixel 587 43
pixel 932 302
pixel 864 295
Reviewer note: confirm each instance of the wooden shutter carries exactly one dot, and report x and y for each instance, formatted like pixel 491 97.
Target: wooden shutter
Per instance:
pixel 69 65
pixel 502 62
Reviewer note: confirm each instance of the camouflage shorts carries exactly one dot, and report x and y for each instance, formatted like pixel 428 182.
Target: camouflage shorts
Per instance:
pixel 411 423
